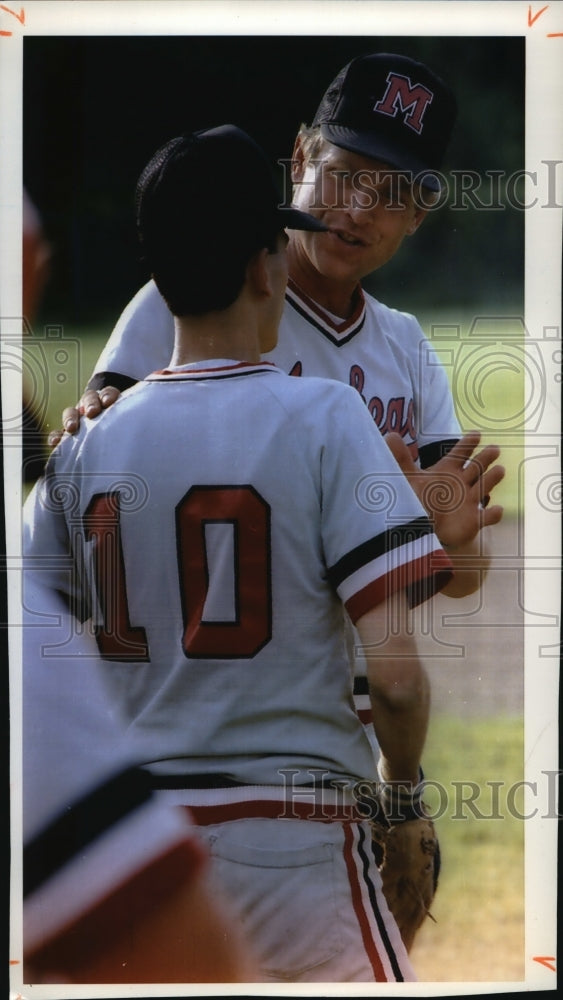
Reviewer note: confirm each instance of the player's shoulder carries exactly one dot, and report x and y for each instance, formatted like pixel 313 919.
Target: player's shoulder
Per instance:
pixel 324 400
pixel 312 387
pixel 148 301
pixel 92 430
pixel 148 293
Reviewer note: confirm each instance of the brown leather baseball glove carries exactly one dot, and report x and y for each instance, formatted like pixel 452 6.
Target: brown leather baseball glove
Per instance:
pixel 409 866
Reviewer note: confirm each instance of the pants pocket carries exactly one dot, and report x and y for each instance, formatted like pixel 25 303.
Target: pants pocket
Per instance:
pixel 287 902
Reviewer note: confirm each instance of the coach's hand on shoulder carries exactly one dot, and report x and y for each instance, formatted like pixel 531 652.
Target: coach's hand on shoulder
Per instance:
pixel 90 404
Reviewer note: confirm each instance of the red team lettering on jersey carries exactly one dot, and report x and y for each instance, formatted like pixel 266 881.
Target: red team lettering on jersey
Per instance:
pixel 397 417
pixel 384 355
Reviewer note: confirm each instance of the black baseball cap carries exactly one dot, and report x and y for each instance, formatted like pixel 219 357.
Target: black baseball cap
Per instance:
pixel 213 186
pixel 391 108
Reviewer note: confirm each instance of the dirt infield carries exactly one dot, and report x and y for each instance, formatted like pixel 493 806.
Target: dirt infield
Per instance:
pixel 478 700
pixel 473 648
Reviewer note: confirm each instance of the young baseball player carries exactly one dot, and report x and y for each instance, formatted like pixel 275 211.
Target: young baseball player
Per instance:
pixel 367 168
pixel 206 522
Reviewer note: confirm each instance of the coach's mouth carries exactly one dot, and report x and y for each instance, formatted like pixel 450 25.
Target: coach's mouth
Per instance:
pixel 348 238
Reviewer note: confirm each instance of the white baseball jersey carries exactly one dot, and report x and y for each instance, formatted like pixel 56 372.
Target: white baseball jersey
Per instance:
pixel 380 352
pixel 215 521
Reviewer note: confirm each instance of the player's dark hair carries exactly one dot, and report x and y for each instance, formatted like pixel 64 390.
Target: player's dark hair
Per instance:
pixel 190 240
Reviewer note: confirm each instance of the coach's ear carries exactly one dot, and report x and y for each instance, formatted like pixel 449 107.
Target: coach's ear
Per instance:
pixel 417 220
pixel 298 162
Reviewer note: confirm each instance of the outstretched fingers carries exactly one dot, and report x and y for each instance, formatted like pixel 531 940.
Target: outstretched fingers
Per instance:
pixel 463 450
pixel 400 452
pixel 491 515
pixel 490 479
pixel 475 469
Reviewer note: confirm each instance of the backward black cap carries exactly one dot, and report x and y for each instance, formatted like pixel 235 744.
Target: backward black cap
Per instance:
pixel 391 108
pixel 209 186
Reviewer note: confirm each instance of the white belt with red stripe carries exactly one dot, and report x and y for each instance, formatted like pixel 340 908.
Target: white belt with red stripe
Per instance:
pixel 222 805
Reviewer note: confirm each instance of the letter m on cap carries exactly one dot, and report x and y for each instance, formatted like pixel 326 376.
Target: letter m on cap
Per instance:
pixel 401 95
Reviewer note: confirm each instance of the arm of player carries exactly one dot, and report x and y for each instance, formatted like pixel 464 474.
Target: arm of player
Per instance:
pixel 399 688
pixel 455 492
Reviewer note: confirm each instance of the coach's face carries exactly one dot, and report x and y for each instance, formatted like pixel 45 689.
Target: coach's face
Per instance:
pixel 368 210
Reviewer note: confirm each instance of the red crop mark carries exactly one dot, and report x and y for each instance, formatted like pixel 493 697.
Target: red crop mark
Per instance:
pixel 19 17
pixel 546 960
pixel 533 19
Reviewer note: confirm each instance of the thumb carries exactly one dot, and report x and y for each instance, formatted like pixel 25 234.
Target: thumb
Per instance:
pixel 400 453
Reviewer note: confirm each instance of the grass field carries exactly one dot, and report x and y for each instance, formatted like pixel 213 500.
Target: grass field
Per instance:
pixel 479 907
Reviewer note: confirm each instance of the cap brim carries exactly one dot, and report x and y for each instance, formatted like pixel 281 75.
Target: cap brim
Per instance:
pixel 293 218
pixel 378 148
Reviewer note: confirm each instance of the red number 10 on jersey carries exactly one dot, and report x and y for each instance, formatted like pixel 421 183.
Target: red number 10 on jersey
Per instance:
pixel 224 574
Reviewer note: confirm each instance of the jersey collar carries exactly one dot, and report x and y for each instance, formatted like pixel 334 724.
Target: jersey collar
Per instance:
pixel 339 331
pixel 210 368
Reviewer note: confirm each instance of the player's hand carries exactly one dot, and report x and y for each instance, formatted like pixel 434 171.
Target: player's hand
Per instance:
pixel 91 404
pixel 456 490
